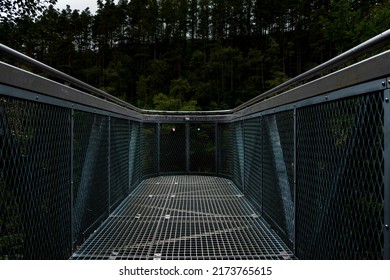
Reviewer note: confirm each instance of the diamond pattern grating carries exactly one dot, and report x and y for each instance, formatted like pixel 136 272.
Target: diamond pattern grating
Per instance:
pixel 340 187
pixel 173 148
pixel 34 180
pixel 202 148
pixel 90 173
pixel 184 217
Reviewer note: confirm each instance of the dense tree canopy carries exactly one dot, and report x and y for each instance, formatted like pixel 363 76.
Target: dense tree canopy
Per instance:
pixel 191 54
pixel 13 9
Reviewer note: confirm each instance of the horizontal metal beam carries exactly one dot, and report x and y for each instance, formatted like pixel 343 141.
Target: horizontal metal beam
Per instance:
pixel 65 77
pixel 373 43
pixel 18 78
pixel 374 68
pixel 187 118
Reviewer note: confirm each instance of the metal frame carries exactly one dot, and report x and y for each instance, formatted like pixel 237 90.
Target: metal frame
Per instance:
pixel 295 180
pixel 373 43
pixel 386 226
pixel 355 90
pixel 64 77
pixel 72 241
pixel 188 148
pixel 109 164
pixel 44 90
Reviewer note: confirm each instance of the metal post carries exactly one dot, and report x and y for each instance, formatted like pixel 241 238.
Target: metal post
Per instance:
pixel 386 229
pixel 158 147
pixel 140 157
pixel 188 148
pixel 216 148
pixel 262 164
pixel 243 181
pixel 129 157
pixel 295 180
pixel 109 164
pixel 71 180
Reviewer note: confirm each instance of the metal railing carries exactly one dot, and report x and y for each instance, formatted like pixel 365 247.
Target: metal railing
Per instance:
pixel 314 160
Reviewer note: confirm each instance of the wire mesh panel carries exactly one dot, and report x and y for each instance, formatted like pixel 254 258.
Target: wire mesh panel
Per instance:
pixel 340 179
pixel 90 171
pixel 173 148
pixel 149 149
pixel 134 155
pixel 119 160
pixel 238 155
pixel 34 180
pixel 278 172
pixel 225 149
pixel 253 161
pixel 202 148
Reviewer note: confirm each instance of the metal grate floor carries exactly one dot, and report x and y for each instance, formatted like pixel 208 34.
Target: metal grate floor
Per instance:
pixel 186 218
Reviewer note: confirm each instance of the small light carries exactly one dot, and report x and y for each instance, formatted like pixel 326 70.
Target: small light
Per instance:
pixel 173 129
pixel 198 128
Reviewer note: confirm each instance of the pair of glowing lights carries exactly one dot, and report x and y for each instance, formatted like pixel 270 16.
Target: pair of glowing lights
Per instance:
pixel 173 129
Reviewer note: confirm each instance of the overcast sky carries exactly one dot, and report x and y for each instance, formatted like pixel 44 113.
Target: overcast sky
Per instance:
pixel 78 4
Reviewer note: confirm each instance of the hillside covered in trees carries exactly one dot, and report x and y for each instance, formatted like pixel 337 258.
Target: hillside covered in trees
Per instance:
pixel 192 54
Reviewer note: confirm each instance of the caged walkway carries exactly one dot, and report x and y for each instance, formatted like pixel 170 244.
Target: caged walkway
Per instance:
pixel 185 218
pixel 294 173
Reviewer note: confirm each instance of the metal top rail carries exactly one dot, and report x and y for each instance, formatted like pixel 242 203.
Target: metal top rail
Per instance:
pixel 369 45
pixel 65 77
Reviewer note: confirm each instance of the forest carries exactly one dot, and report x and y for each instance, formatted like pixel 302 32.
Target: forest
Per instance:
pixel 190 54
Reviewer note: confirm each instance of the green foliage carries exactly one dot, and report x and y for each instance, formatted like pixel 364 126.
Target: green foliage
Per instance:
pixel 166 103
pixel 11 10
pixel 199 54
pixel 163 102
pixel 180 89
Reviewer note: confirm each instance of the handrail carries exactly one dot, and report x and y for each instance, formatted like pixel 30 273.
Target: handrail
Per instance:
pixel 66 78
pixel 364 47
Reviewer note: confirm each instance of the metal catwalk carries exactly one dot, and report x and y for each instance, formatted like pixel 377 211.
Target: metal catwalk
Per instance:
pixel 186 218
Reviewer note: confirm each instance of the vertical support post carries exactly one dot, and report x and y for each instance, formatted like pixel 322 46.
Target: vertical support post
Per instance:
pixel 109 164
pixel 158 147
pixel 386 226
pixel 243 181
pixel 129 156
pixel 140 159
pixel 262 163
pixel 71 180
pixel 216 149
pixel 188 167
pixel 295 180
